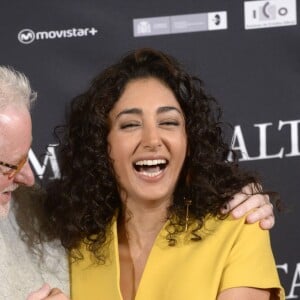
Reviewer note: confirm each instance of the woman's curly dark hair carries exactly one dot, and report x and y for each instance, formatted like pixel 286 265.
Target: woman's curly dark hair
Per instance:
pixel 83 202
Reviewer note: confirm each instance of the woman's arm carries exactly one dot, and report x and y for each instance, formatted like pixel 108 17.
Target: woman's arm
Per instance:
pixel 245 293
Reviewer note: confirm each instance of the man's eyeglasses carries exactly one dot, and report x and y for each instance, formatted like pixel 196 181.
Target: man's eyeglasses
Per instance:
pixel 13 169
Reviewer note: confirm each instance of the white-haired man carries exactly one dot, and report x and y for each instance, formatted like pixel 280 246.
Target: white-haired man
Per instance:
pixel 23 268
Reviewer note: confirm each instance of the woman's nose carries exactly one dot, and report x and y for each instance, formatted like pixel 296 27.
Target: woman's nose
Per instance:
pixel 151 137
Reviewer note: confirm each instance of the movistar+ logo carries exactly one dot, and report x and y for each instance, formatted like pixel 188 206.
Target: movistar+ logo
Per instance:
pixel 27 36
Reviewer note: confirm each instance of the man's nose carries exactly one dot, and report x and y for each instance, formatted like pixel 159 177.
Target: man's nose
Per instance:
pixel 25 176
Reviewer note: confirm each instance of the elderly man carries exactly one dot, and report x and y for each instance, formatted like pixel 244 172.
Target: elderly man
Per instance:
pixel 28 262
pixel 24 264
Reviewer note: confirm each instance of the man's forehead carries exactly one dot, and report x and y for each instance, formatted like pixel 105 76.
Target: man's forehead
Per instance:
pixel 4 117
pixel 8 121
pixel 15 133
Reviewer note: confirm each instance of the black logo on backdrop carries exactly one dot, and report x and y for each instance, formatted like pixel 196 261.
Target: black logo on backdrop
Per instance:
pixel 217 19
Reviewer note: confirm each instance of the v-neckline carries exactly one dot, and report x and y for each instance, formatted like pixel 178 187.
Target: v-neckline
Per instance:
pixel 146 268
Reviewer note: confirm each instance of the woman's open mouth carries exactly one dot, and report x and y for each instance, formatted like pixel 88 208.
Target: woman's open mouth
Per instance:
pixel 150 167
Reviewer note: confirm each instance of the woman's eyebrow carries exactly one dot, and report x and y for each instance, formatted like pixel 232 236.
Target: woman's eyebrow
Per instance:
pixel 164 109
pixel 135 111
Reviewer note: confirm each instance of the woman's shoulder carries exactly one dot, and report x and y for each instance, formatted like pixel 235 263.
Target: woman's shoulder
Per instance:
pixel 231 231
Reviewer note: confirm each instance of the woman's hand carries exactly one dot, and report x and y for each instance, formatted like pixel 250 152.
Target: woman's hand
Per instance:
pixel 245 202
pixel 46 293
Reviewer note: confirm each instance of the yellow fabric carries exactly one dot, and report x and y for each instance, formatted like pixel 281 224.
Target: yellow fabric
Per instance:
pixel 231 254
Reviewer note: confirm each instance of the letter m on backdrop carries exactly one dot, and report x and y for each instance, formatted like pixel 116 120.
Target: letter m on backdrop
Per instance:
pixel 27 36
pixel 49 163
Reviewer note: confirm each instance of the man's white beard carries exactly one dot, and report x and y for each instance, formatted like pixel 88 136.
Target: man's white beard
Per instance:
pixel 4 210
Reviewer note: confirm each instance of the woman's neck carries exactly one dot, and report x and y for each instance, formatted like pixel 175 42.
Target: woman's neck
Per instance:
pixel 142 223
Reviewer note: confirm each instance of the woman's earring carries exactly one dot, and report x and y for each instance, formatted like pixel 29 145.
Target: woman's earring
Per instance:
pixel 188 203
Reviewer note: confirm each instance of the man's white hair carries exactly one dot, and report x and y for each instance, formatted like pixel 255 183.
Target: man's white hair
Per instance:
pixel 15 88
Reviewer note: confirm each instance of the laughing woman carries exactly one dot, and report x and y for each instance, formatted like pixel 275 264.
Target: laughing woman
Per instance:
pixel 144 176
